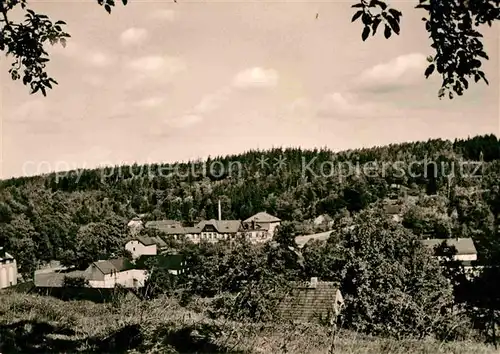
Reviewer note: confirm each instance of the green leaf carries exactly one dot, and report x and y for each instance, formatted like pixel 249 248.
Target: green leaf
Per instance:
pixel 107 8
pixel 366 32
pixel 358 5
pixel 430 59
pixel 357 15
pixel 429 70
pixel 63 42
pixel 124 2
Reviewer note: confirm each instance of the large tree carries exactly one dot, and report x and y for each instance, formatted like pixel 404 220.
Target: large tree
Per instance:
pixel 453 27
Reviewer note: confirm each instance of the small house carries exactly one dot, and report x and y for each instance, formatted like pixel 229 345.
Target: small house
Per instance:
pixel 465 249
pixel 315 301
pixel 8 269
pixel 263 220
pixel 144 245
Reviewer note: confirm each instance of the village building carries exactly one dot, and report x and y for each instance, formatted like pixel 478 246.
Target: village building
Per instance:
pixel 315 301
pixel 8 269
pixel 263 221
pixel 217 230
pixel 465 249
pixel 135 225
pixel 323 220
pixel 144 245
pixel 101 275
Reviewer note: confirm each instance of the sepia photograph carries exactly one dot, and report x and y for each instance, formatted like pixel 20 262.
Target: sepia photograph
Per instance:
pixel 250 176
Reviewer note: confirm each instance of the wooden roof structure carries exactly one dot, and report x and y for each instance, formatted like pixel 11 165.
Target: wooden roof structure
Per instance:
pixel 313 302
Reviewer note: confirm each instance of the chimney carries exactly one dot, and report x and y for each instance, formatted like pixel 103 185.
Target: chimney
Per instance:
pixel 220 212
pixel 314 282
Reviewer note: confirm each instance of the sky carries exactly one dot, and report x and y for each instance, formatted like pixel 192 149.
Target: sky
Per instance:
pixel 159 81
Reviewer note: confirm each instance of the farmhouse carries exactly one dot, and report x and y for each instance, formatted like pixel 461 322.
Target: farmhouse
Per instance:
pixel 142 245
pixel 312 302
pixel 8 269
pixel 100 274
pixel 465 249
pixel 301 241
pixel 262 220
pixel 323 220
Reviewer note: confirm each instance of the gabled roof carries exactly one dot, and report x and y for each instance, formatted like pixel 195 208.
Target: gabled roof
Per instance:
pixel 393 209
pixel 148 241
pixel 55 279
pixel 222 226
pixel 162 225
pixel 307 304
pixel 323 218
pixel 262 217
pixel 113 265
pixel 462 245
pixel 302 240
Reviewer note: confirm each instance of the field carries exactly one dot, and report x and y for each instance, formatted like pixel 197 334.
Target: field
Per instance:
pixel 31 323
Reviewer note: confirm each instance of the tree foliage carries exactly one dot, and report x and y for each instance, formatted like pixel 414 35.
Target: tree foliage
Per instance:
pixel 453 27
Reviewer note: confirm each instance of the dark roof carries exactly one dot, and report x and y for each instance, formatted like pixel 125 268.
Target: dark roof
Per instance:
pixel 222 226
pixel 148 241
pixel 113 265
pixel 393 209
pixel 162 225
pixel 262 217
pixel 55 279
pixel 307 304
pixel 462 245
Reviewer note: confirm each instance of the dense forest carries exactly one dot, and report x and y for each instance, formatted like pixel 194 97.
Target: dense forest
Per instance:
pixel 392 285
pixel 83 214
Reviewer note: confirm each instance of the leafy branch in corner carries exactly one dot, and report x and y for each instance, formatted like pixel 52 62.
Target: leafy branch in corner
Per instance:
pixel 453 29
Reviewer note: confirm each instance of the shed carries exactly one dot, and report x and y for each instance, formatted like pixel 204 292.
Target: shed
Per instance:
pixel 315 301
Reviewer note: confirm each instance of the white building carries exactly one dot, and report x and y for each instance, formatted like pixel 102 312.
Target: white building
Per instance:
pixel 143 245
pixel 262 220
pixel 109 273
pixel 465 249
pixel 8 270
pixel 100 274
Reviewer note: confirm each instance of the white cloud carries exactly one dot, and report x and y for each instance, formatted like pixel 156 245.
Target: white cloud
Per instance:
pixel 184 121
pixel 165 14
pixel 133 36
pixel 346 104
pixel 157 65
pixel 150 102
pixel 212 101
pixel 403 70
pixel 256 78
pixel 99 59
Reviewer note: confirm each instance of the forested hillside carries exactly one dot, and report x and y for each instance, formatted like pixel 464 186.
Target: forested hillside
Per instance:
pixel 81 215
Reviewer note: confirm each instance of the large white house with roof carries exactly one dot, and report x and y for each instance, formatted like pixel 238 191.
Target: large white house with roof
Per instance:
pixel 264 221
pixel 257 229
pixel 465 249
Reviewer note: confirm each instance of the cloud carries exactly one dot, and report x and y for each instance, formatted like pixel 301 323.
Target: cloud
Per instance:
pixel 256 78
pixel 213 101
pixel 184 121
pixel 150 102
pixel 154 65
pixel 345 104
pixel 133 36
pixel 165 14
pixel 99 59
pixel 401 71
